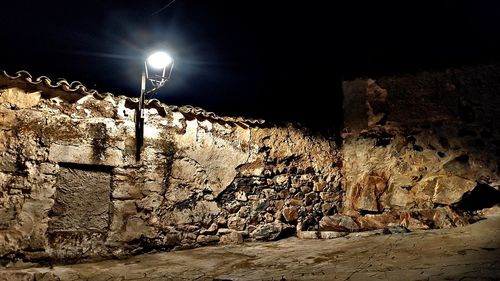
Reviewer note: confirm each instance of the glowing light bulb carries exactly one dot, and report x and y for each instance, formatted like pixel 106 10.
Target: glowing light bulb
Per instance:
pixel 159 60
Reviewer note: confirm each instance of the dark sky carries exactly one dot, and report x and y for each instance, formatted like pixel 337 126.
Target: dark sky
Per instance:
pixel 280 60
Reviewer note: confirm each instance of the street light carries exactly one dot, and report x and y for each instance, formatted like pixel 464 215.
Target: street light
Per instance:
pixel 162 65
pixel 159 60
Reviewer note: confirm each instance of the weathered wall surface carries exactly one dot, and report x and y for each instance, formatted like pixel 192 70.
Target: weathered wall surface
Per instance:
pixel 422 149
pixel 419 151
pixel 70 187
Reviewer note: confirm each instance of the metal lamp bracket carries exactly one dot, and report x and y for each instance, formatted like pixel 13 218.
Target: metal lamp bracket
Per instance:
pixel 157 81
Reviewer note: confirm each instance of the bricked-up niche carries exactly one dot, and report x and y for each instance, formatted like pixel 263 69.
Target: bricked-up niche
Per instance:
pixel 79 219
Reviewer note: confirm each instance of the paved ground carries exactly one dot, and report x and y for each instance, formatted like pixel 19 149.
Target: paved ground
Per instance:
pixel 468 253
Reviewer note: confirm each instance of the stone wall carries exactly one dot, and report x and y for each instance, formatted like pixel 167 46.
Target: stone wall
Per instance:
pixel 422 150
pixel 71 189
pixel 419 151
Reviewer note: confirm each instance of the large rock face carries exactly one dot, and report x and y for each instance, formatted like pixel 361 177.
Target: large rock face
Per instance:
pixel 416 153
pixel 417 146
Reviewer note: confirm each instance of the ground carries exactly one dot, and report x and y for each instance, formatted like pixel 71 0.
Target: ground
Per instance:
pixel 465 253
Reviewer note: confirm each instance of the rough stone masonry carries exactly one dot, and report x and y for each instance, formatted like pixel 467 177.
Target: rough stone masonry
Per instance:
pixel 419 151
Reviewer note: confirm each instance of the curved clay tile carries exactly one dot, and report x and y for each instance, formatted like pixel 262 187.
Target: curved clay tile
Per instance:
pixel 76 87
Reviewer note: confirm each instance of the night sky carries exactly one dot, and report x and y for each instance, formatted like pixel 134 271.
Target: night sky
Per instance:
pixel 278 60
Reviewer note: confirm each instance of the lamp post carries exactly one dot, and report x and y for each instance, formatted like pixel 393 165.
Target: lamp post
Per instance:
pixel 161 65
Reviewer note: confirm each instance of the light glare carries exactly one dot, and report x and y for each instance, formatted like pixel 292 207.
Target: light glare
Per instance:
pixel 159 60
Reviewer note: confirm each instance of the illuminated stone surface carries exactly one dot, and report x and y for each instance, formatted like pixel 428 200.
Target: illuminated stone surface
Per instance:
pixel 416 153
pixel 468 253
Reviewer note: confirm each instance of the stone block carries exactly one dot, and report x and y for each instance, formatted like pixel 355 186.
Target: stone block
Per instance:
pixel 5 139
pixel 330 196
pixel 450 190
pixel 254 169
pixel 19 98
pixel 202 212
pixel 374 221
pixel 17 276
pixel 48 168
pixel 290 213
pixel 338 222
pixel 332 234
pixel 205 239
pixel 364 195
pixel 8 162
pixel 122 210
pixel 185 171
pixel 241 196
pixel 236 223
pixel 319 186
pixel 231 238
pixel 310 198
pixel 8 119
pixel 85 154
pixel 267 232
pixel 212 229
pixel 124 190
pixel 281 179
pixel 223 231
pixel 7 217
pixel 307 234
pixel 136 228
pixel 269 193
pixel 150 202
pixel 156 185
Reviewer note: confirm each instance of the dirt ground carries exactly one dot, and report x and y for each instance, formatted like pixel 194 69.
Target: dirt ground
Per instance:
pixel 467 253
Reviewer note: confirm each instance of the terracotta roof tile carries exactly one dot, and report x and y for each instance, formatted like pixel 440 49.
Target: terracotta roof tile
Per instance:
pixel 78 90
